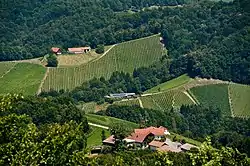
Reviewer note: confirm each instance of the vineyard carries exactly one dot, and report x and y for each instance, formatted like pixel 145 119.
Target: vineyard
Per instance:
pixel 123 57
pixel 5 67
pixel 177 82
pixel 23 78
pixel 87 107
pixel 213 95
pixel 166 101
pixel 240 99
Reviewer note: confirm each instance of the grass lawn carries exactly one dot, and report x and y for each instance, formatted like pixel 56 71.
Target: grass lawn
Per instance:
pixel 95 137
pixel 183 79
pixel 5 67
pixel 107 120
pixel 24 78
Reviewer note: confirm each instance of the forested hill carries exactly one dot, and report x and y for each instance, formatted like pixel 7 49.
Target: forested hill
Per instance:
pixel 30 28
pixel 208 39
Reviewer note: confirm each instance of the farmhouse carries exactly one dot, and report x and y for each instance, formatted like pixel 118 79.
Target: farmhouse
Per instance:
pixel 56 50
pixel 79 50
pixel 153 138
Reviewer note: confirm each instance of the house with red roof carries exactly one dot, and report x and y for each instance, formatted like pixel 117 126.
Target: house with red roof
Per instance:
pixel 140 137
pixel 56 50
pixel 79 50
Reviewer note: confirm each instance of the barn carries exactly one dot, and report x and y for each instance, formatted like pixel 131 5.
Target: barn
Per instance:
pixel 79 50
pixel 56 50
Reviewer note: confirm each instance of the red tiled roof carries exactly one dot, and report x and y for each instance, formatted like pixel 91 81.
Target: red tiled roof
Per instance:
pixel 55 49
pixel 140 134
pixel 110 140
pixel 78 49
pixel 157 144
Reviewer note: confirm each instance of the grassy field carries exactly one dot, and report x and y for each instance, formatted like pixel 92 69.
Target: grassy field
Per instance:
pixel 23 78
pixel 107 120
pixel 123 57
pixel 183 79
pixel 188 140
pixel 5 67
pixel 240 98
pixel 94 138
pixel 128 102
pixel 213 95
pixel 87 107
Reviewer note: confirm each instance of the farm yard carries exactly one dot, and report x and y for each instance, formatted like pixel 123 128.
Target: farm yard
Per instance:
pixel 66 60
pixel 213 95
pixel 123 57
pixel 23 78
pixel 240 100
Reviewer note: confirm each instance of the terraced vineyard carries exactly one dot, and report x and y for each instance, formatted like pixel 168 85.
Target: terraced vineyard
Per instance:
pixel 128 102
pixel 23 78
pixel 213 95
pixel 240 100
pixel 166 101
pixel 123 57
pixel 5 67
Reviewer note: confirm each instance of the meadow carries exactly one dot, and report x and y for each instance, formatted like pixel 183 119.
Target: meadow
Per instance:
pixel 213 95
pixel 23 78
pixel 95 136
pixel 240 100
pixel 5 67
pixel 108 121
pixel 179 81
pixel 123 57
pixel 130 102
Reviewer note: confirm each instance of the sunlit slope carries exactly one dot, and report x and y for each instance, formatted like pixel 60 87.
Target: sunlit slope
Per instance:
pixel 123 57
pixel 22 78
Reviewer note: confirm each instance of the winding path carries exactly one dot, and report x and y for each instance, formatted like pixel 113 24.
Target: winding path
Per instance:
pixel 42 82
pixel 97 125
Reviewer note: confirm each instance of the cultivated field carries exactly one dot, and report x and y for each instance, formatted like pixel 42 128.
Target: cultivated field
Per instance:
pixel 123 57
pixel 179 81
pixel 240 100
pixel 23 78
pixel 213 95
pixel 166 100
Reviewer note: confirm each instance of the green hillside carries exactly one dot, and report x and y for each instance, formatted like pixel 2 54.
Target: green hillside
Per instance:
pixel 5 67
pixel 240 99
pixel 128 102
pixel 123 57
pixel 183 79
pixel 213 95
pixel 107 121
pixel 23 78
pixel 166 100
pixel 95 137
